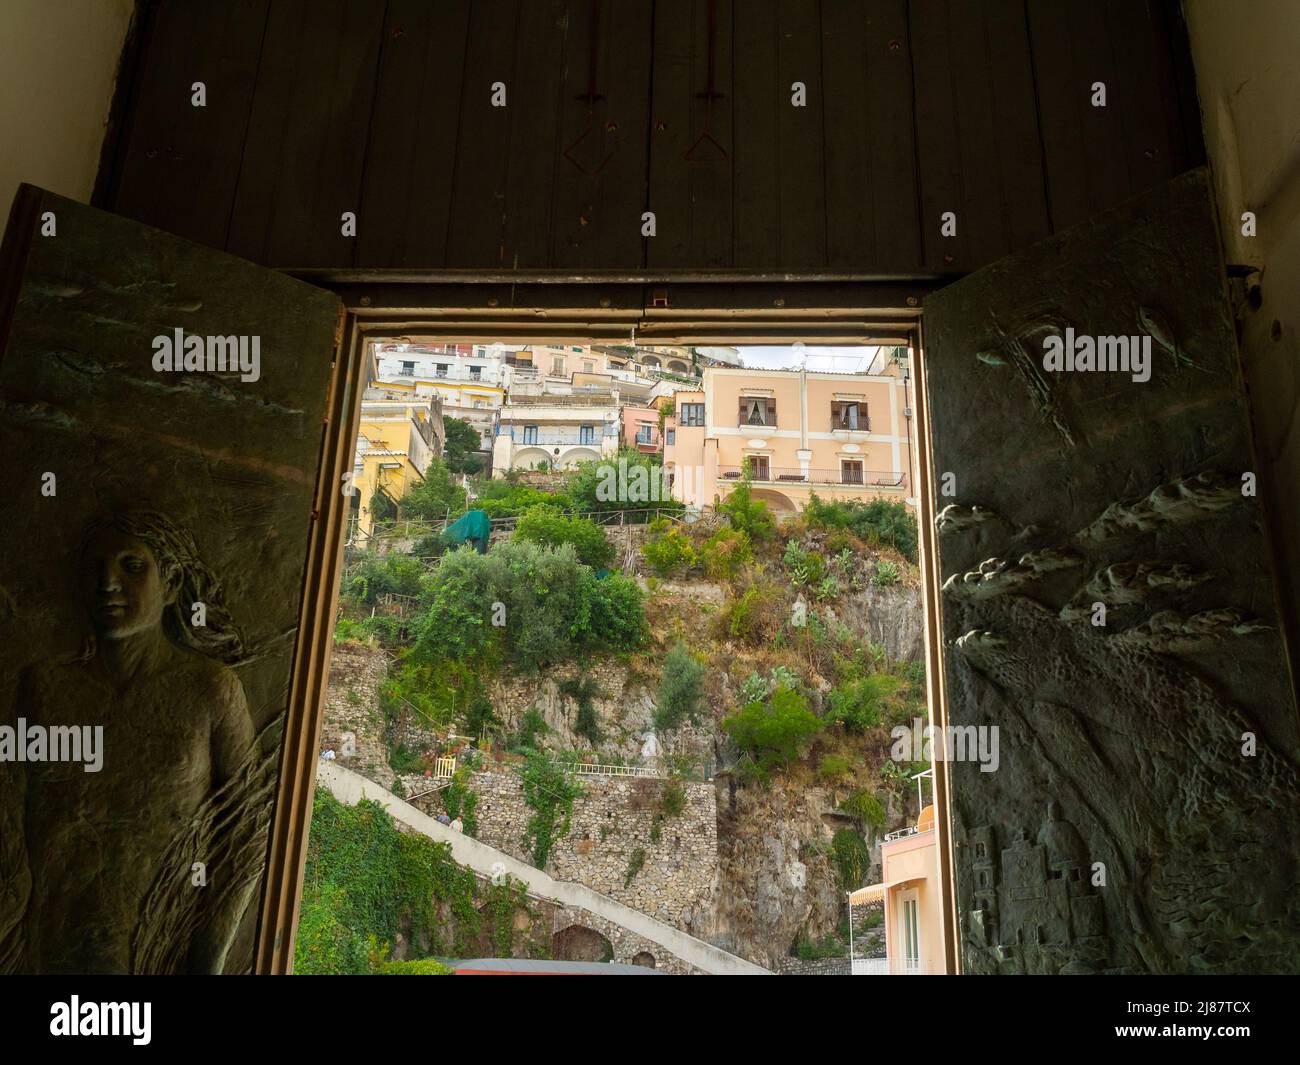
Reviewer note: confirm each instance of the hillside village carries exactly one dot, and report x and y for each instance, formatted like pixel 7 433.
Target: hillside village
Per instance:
pixel 683 706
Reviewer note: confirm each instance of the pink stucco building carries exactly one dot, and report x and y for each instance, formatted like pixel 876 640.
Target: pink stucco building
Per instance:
pixel 841 435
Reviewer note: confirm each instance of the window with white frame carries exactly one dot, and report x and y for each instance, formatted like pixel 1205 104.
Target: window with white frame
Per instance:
pixel 692 414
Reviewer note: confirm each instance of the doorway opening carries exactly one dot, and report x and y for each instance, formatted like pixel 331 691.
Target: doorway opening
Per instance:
pixel 588 587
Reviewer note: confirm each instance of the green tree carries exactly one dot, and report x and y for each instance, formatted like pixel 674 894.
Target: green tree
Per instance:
pixel 458 450
pixel 751 516
pixel 681 691
pixel 773 732
pixel 549 526
pixel 436 497
pixel 629 480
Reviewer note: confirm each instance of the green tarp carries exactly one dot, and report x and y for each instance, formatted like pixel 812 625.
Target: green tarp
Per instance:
pixel 474 528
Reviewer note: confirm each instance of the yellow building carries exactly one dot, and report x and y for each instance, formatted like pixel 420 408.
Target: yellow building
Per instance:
pixel 396 439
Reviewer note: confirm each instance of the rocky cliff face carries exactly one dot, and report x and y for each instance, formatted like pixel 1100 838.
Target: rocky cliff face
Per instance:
pixel 775 879
pixel 890 616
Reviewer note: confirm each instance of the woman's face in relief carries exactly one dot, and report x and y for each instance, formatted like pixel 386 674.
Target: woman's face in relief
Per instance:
pixel 124 587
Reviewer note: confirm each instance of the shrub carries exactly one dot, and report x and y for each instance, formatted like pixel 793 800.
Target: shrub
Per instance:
pixel 886 573
pixel 365 882
pixel 725 554
pixel 835 767
pixel 503 498
pixel 548 525
pixel 773 732
pixel 418 967
pixel 754 614
pixel 668 551
pixel 750 516
pixel 531 725
pixel 681 692
pixel 553 607
pixel 879 521
pixel 377 575
pixel 479 718
pixel 635 862
pixel 672 799
pixel 754 688
pixel 852 858
pixel 865 807
pixel 617 614
pixel 806 567
pixel 827 947
pixel 857 705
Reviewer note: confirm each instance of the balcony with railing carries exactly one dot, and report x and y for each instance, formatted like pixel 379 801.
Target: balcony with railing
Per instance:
pixel 840 424
pixel 848 475
pixel 563 437
pixel 578 397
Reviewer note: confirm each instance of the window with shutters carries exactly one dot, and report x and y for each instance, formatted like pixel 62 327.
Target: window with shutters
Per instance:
pixel 757 410
pixel 849 414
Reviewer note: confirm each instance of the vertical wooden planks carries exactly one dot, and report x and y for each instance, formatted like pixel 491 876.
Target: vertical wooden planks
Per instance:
pixel 307 134
pixel 691 149
pixel 534 146
pixel 871 202
pixel 979 149
pixel 1146 94
pixel 601 186
pixel 756 169
pixel 914 107
pixel 1019 154
pixel 800 160
pixel 476 236
pixel 406 196
pixel 1087 169
pixel 940 175
pixel 180 163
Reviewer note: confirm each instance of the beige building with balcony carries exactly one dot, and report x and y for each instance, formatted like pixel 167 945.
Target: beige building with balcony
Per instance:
pixel 842 435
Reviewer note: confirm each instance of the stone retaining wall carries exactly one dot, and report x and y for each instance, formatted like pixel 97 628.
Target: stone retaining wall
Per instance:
pixel 612 822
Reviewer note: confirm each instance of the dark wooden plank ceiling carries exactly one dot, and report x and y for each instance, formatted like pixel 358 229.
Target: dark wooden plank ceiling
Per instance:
pixel 682 107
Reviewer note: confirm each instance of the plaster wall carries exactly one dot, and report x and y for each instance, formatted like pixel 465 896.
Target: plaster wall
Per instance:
pixel 1248 82
pixel 60 58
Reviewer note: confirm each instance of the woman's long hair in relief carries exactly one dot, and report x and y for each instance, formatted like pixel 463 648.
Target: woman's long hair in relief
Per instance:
pixel 181 569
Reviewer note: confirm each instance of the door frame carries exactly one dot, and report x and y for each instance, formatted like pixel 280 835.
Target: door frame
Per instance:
pixel 697 309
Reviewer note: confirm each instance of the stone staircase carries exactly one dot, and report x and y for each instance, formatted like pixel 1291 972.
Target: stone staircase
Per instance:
pixel 350 788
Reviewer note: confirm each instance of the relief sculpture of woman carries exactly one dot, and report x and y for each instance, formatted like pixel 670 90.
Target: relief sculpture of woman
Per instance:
pixel 149 864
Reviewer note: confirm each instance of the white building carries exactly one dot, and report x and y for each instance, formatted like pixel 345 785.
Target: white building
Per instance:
pixel 470 379
pixel 555 430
